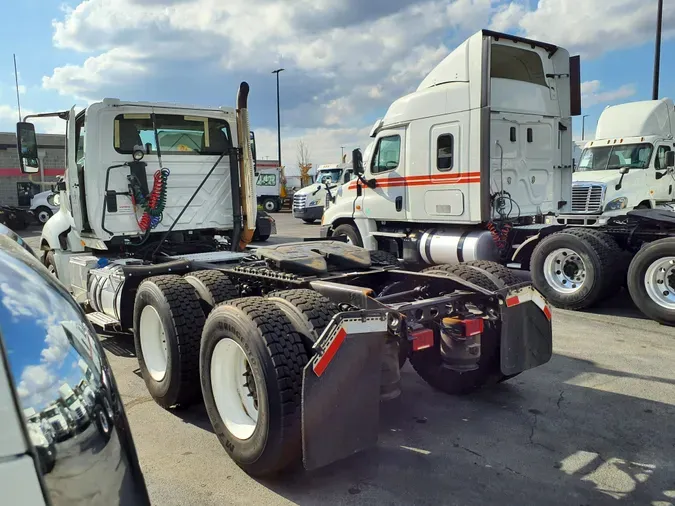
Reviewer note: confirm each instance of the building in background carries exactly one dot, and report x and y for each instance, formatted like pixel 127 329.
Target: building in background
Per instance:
pixel 16 189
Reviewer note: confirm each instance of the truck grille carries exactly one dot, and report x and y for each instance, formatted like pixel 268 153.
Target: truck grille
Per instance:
pixel 299 202
pixel 587 198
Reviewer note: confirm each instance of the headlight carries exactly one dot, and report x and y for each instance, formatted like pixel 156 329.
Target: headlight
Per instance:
pixel 313 203
pixel 617 203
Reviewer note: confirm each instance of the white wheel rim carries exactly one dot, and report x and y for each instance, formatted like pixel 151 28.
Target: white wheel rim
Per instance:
pixel 269 206
pixel 153 343
pixel 565 271
pixel 43 216
pixel 660 282
pixel 234 400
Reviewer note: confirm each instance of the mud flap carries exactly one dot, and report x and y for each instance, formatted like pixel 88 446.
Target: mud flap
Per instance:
pixel 341 389
pixel 527 333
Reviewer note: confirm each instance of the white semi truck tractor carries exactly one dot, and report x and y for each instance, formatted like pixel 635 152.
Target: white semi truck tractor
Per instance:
pixel 152 236
pixel 309 202
pixel 476 165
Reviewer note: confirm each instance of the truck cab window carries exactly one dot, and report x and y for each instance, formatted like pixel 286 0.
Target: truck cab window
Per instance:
pixel 660 160
pixel 444 152
pixel 178 134
pixel 387 154
pixel 348 176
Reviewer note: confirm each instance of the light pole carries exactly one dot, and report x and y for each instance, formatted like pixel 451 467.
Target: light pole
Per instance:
pixel 657 50
pixel 343 153
pixel 277 71
pixel 583 126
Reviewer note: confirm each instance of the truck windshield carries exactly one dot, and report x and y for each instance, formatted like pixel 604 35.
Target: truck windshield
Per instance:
pixel 329 176
pixel 633 156
pixel 178 135
pixel 51 412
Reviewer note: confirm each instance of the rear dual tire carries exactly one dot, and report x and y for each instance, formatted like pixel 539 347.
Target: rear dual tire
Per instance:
pixel 577 268
pixel 428 363
pixel 262 437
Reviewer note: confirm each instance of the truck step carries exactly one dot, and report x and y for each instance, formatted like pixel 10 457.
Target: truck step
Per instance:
pixel 103 321
pixel 398 235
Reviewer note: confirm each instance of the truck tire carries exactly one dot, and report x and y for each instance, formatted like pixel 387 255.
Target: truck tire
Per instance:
pixel 213 287
pixel 651 280
pixel 470 271
pixel 383 258
pixel 350 232
pixel 168 322
pixel 270 205
pixel 258 422
pixel 428 363
pixel 308 311
pixel 573 270
pixel 620 257
pixel 50 263
pixel 42 214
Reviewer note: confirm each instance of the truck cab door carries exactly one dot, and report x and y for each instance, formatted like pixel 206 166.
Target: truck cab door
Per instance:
pixel 386 167
pixel 663 190
pixel 75 173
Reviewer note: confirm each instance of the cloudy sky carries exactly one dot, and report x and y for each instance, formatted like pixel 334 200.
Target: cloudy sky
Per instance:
pixel 345 60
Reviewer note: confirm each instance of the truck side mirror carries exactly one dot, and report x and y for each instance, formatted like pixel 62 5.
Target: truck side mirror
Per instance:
pixel 623 171
pixel 357 162
pixel 670 160
pixel 26 143
pixel 253 153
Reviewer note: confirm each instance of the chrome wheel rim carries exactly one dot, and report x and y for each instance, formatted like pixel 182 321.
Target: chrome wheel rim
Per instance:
pixel 565 271
pixel 660 282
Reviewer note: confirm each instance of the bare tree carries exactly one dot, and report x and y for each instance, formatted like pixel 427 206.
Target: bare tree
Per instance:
pixel 303 163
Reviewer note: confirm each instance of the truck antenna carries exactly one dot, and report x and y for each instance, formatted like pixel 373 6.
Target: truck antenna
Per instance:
pixel 159 150
pixel 16 81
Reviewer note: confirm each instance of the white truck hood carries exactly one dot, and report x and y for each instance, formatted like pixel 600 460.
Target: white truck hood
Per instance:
pixel 596 176
pixel 309 190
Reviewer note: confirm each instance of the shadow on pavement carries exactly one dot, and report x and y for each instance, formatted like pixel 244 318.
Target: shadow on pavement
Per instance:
pixel 120 345
pixel 619 305
pixel 542 438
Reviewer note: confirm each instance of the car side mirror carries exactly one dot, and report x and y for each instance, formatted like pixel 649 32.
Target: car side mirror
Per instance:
pixel 26 143
pixel 624 170
pixel 670 160
pixel 357 162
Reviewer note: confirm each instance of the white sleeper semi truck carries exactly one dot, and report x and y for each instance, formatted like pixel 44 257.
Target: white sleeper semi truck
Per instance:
pixel 309 202
pixel 476 164
pixel 153 239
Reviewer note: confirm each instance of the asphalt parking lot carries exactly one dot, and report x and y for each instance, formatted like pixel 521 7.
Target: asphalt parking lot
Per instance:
pixel 594 426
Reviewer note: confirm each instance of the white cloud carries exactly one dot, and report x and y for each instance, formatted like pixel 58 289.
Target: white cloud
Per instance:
pixel 593 27
pixel 593 94
pixel 507 17
pixel 9 115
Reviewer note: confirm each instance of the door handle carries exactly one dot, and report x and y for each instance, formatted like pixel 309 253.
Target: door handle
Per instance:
pixel 399 204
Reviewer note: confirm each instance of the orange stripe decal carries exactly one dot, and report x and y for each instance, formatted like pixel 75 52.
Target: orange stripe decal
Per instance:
pixel 426 180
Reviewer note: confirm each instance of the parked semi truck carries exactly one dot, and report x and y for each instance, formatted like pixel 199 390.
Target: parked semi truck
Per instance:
pixel 476 164
pixel 157 241
pixel 309 202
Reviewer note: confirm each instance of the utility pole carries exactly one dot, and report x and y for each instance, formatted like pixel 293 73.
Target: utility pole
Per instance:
pixel 657 50
pixel 342 156
pixel 583 126
pixel 277 72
